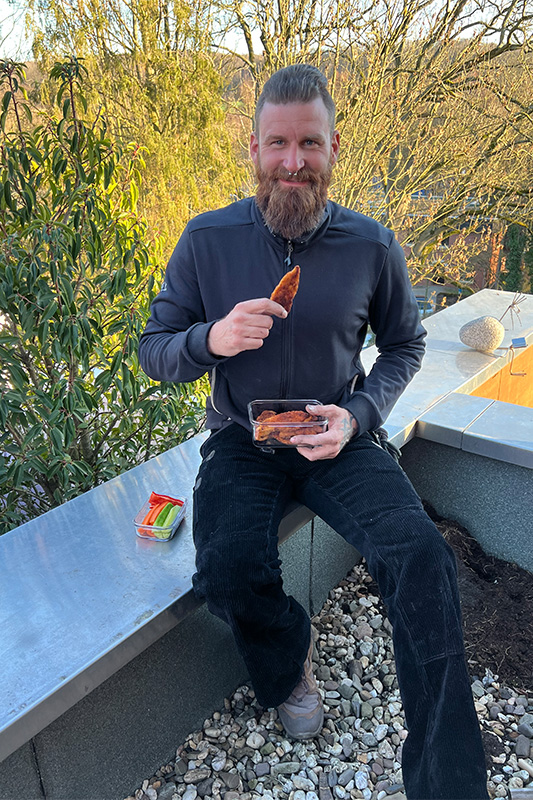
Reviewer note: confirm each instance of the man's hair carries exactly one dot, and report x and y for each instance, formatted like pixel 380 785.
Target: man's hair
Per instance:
pixel 298 83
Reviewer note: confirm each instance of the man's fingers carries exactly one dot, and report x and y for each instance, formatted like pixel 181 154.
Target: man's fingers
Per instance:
pixel 322 411
pixel 252 344
pixel 262 321
pixel 278 311
pixel 318 453
pixel 313 440
pixel 257 332
pixel 245 327
pixel 262 305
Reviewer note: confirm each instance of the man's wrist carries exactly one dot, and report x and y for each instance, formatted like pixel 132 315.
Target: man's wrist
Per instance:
pixel 211 348
pixel 348 427
pixel 353 422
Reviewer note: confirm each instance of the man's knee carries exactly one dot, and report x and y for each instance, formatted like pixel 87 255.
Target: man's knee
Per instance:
pixel 417 527
pixel 233 578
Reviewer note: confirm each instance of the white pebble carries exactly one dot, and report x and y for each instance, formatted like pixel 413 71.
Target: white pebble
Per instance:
pixel 255 740
pixel 302 783
pixel 361 780
pixel 380 732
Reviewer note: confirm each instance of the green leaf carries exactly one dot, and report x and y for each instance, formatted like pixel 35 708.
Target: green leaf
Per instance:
pixel 50 311
pixel 18 376
pixel 115 363
pixel 8 197
pixel 57 439
pixel 29 200
pixel 42 332
pixel 70 431
pixel 27 111
pixel 6 99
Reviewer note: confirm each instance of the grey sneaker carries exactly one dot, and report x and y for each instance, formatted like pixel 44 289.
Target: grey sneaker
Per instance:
pixel 302 714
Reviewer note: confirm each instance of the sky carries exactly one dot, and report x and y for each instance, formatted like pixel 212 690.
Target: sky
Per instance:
pixel 13 43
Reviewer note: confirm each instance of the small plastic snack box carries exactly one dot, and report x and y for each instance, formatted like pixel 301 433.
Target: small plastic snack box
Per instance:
pixel 156 532
pixel 268 435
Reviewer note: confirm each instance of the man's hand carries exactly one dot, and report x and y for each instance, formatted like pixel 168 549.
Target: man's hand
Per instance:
pixel 341 427
pixel 244 328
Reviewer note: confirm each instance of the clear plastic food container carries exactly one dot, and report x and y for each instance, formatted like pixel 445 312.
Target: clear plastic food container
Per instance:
pixel 163 532
pixel 274 421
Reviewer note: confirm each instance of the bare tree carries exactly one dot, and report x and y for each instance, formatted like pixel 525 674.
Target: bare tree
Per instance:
pixel 433 104
pixel 433 100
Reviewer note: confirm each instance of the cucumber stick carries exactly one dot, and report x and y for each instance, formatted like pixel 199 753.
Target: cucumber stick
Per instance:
pixel 172 514
pixel 161 519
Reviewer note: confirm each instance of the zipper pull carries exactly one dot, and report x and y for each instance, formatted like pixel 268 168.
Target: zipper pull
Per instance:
pixel 288 260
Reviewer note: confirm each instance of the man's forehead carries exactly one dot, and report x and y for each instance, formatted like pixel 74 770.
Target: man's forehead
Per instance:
pixel 312 113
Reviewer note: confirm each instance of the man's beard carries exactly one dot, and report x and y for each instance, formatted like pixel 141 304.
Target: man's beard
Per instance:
pixel 292 211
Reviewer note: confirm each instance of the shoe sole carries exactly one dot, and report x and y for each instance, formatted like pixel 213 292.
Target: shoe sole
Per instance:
pixel 300 737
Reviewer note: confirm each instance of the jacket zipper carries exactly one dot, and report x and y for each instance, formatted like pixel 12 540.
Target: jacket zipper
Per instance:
pixel 288 259
pixel 285 357
pixel 285 335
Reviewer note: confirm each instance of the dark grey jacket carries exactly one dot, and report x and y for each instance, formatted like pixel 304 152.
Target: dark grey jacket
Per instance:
pixel 353 275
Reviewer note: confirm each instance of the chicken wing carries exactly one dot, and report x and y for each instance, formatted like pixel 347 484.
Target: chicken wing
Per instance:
pixel 271 429
pixel 286 289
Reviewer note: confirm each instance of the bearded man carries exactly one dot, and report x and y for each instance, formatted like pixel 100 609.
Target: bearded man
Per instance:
pixel 214 314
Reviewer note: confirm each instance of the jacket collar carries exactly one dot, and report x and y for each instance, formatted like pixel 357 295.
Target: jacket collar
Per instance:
pixel 299 244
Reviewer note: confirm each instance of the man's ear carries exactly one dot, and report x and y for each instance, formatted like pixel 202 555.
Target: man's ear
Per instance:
pixel 254 147
pixel 335 146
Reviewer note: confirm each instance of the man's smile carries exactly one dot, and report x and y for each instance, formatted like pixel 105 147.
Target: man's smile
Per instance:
pixel 292 182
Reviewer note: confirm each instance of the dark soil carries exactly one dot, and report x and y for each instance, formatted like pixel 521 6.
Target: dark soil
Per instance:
pixel 497 603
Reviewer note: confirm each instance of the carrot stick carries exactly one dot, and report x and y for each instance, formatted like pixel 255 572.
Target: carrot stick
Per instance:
pixel 154 511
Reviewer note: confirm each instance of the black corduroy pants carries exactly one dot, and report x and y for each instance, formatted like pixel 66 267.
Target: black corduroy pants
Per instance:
pixel 240 496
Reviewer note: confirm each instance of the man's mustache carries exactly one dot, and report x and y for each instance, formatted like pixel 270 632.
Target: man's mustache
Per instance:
pixel 303 174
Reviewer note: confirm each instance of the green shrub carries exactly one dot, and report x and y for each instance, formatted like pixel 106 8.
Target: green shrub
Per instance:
pixel 77 274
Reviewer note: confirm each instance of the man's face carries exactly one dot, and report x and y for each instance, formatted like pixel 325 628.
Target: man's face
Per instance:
pixel 293 152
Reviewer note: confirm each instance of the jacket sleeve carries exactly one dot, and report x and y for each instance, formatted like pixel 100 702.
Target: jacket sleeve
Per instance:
pixel 173 346
pixel 395 319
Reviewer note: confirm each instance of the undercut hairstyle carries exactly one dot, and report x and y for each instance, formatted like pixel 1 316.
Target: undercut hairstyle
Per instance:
pixel 298 83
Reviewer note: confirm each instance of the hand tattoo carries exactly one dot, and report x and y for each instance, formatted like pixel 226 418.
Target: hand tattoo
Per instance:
pixel 348 429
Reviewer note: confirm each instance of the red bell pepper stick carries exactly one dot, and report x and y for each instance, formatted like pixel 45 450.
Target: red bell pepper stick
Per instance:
pixel 157 498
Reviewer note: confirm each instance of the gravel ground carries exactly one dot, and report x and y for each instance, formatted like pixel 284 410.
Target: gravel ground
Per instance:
pixel 242 753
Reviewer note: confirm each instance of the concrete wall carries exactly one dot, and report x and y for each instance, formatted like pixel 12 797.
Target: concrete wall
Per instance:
pixel 491 498
pixel 126 728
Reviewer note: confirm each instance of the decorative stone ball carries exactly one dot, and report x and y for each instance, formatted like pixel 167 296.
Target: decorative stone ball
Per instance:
pixel 484 334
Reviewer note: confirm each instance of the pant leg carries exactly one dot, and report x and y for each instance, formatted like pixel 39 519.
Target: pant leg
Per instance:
pixel 239 499
pixel 365 496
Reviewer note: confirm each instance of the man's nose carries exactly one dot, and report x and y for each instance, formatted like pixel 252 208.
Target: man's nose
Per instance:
pixel 294 159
